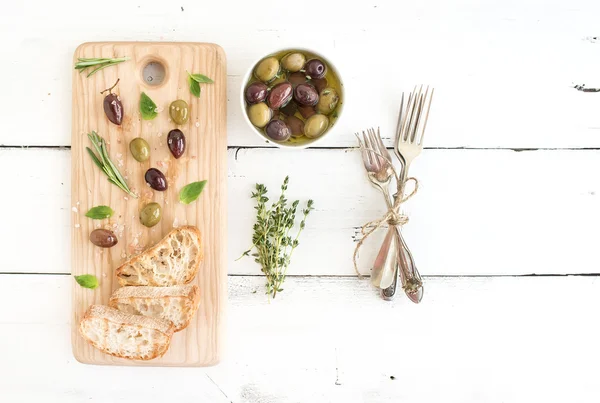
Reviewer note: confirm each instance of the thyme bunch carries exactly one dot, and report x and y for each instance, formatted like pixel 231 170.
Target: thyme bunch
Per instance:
pixel 272 242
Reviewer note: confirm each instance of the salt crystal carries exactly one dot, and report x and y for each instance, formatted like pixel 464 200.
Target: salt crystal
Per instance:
pixel 159 134
pixel 119 155
pixel 197 124
pixel 77 225
pixel 115 225
pixel 123 255
pixel 74 209
pixel 175 223
pixel 77 203
pixel 104 275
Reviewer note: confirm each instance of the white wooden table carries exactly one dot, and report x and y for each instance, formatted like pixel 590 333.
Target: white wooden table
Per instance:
pixel 504 230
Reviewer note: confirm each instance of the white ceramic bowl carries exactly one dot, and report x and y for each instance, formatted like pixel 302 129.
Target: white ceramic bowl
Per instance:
pixel 308 142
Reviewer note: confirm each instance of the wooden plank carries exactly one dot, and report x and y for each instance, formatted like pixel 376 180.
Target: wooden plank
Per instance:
pixel 205 158
pixel 456 225
pixel 504 73
pixel 471 340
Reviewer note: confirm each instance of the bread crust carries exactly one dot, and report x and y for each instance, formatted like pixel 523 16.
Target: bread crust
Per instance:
pixel 115 316
pixel 191 292
pixel 152 251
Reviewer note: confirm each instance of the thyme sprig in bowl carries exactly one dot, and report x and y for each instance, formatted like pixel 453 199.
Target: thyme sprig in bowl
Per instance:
pixel 273 241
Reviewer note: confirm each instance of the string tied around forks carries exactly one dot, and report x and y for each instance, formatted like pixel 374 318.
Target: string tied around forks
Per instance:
pixel 392 217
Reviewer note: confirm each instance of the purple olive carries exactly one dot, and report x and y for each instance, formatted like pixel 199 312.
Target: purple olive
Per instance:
pixel 103 238
pixel 315 68
pixel 176 142
pixel 290 109
pixel 280 95
pixel 113 108
pixel 296 79
pixel 278 130
pixel 306 111
pixel 256 92
pixel 319 83
pixel 156 179
pixel 306 94
pixel 296 125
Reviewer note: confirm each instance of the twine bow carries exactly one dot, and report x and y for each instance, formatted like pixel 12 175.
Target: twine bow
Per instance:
pixel 392 217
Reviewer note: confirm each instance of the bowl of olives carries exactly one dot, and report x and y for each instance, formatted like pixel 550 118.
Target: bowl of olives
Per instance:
pixel 292 97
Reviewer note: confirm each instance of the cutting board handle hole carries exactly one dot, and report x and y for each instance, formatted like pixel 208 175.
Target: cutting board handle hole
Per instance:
pixel 154 72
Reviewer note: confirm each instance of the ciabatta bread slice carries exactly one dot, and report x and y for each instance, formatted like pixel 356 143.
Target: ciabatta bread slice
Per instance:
pixel 177 303
pixel 174 260
pixel 125 335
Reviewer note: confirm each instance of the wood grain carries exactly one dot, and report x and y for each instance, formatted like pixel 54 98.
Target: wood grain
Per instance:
pixel 205 158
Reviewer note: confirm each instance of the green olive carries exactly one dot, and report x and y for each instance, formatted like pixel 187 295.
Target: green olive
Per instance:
pixel 328 101
pixel 179 111
pixel 293 62
pixel 267 69
pixel 315 126
pixel 140 149
pixel 151 214
pixel 259 114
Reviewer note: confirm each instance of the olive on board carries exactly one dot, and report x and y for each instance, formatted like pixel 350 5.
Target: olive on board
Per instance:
pixel 306 94
pixel 103 238
pixel 176 142
pixel 280 95
pixel 113 108
pixel 259 114
pixel 179 111
pixel 290 109
pixel 306 111
pixel 278 130
pixel 319 83
pixel 296 79
pixel 293 62
pixel 296 126
pixel 315 126
pixel 256 92
pixel 140 149
pixel 328 101
pixel 267 69
pixel 151 214
pixel 156 179
pixel 315 68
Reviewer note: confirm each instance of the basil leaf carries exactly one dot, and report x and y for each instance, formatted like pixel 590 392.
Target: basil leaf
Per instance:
pixel 147 107
pixel 194 87
pixel 200 78
pixel 87 281
pixel 99 212
pixel 190 192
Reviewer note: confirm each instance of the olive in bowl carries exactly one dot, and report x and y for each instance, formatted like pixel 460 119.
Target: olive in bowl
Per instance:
pixel 292 97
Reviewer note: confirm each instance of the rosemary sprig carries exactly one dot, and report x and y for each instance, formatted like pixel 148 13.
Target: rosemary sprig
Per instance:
pixel 99 63
pixel 105 164
pixel 271 239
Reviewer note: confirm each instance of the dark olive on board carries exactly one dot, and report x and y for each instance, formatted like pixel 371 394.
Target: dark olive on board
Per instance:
pixel 156 179
pixel 113 108
pixel 176 142
pixel 103 238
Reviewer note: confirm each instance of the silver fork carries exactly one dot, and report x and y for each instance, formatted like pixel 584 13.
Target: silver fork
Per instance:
pixel 407 146
pixel 380 172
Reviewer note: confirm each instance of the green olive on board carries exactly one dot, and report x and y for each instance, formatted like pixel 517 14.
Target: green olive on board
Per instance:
pixel 259 114
pixel 328 101
pixel 151 214
pixel 315 126
pixel 179 111
pixel 293 62
pixel 140 149
pixel 267 69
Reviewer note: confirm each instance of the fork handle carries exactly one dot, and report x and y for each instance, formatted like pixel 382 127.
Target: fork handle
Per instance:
pixel 409 275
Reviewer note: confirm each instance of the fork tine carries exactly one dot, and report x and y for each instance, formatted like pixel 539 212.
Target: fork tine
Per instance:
pixel 399 124
pixel 426 117
pixel 413 133
pixel 382 149
pixel 376 146
pixel 370 156
pixel 407 115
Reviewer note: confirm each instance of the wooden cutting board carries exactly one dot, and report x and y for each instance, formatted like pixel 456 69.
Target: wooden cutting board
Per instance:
pixel 205 158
